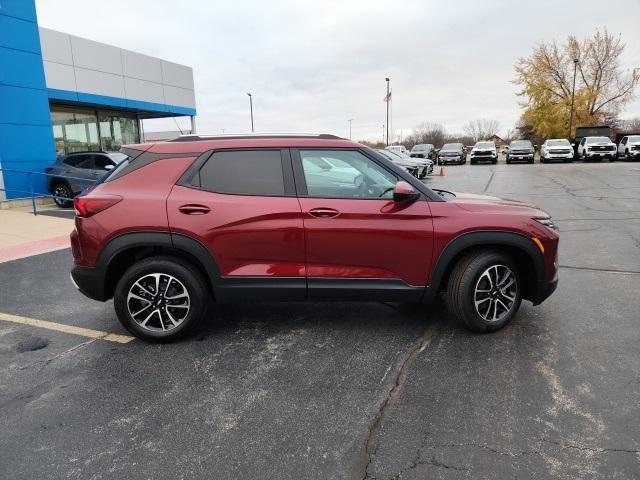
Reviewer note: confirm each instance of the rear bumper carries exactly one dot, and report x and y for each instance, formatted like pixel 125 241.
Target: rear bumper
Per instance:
pixel 544 291
pixel 90 281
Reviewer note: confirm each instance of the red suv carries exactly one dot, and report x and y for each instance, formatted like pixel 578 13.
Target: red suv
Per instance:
pixel 295 218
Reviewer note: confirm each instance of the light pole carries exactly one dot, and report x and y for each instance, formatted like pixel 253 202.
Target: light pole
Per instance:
pixel 387 99
pixel 251 107
pixel 573 95
pixel 350 120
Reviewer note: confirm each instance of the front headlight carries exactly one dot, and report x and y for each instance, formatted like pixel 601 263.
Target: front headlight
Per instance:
pixel 547 222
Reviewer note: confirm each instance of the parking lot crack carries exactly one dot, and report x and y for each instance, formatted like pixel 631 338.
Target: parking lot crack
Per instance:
pixel 585 448
pixel 396 383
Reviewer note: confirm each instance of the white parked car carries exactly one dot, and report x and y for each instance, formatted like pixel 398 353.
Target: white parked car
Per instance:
pixel 421 166
pixel 556 149
pixel 482 152
pixel 397 148
pixel 597 148
pixel 629 147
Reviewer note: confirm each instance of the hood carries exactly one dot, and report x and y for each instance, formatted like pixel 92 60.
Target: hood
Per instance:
pixel 482 203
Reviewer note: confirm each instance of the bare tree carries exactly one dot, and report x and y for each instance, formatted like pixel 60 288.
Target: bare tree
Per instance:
pixel 426 132
pixel 481 129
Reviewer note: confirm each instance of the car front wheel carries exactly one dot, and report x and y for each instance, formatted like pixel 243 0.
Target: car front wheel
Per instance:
pixel 484 291
pixel 161 299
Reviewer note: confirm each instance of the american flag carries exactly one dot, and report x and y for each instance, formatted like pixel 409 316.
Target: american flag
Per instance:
pixel 387 97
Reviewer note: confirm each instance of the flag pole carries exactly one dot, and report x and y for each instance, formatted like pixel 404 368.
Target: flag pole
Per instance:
pixel 388 99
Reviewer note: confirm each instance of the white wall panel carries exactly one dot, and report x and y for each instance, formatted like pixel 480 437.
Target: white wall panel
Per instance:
pixel 182 97
pixel 99 83
pixel 140 66
pixel 77 64
pixel 59 76
pixel 55 46
pixel 96 56
pixel 143 90
pixel 177 75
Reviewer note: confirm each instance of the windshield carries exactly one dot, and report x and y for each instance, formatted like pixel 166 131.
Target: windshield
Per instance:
pixel 598 140
pixel 419 148
pixel 634 138
pixel 558 143
pixel 484 145
pixel 521 144
pixel 451 146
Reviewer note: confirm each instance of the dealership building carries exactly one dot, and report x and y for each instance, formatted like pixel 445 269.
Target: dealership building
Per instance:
pixel 60 93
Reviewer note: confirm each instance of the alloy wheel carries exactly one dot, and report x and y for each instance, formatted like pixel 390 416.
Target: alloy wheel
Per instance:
pixel 158 302
pixel 495 293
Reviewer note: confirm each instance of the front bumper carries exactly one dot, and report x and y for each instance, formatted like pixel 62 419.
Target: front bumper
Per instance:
pixel 446 160
pixel 90 281
pixel 544 291
pixel 601 154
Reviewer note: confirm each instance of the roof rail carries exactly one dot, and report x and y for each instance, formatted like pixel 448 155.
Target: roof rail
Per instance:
pixel 195 138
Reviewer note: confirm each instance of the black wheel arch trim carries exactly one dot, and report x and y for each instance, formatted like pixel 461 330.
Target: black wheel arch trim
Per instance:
pixel 485 238
pixel 175 241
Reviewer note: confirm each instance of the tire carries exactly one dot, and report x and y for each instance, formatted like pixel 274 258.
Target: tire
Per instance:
pixel 627 156
pixel 62 189
pixel 473 162
pixel 470 273
pixel 542 160
pixel 178 277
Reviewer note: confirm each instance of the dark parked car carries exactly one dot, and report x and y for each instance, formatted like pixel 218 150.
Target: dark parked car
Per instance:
pixel 182 223
pixel 452 153
pixel 423 150
pixel 88 165
pixel 520 150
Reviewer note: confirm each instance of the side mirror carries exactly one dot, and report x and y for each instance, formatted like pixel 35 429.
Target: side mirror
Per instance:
pixel 109 167
pixel 403 192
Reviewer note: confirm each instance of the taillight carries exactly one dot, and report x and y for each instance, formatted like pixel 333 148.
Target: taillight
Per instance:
pixel 86 206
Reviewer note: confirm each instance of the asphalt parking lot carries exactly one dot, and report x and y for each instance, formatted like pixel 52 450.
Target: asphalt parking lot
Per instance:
pixel 346 390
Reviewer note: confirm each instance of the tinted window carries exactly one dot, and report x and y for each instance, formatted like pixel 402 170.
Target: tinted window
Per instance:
pixel 83 161
pixel 349 175
pixel 248 172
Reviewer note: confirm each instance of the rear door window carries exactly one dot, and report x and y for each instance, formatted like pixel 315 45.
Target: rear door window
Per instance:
pixel 244 172
pixel 85 162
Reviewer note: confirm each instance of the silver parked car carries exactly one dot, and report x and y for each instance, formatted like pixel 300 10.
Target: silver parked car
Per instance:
pixel 81 165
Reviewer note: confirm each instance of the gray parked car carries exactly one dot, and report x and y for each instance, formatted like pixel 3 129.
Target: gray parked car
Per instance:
pixel 89 165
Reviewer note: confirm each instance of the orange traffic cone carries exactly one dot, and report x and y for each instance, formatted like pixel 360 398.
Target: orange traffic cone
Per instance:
pixel 442 171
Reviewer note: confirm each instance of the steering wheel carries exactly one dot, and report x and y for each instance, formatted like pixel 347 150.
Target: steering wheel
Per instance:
pixel 385 191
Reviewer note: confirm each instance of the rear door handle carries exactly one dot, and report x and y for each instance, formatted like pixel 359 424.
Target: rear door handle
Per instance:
pixel 194 209
pixel 324 212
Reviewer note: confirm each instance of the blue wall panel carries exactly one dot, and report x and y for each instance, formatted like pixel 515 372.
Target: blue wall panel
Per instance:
pixel 24 9
pixel 26 136
pixel 19 34
pixel 20 68
pixel 93 99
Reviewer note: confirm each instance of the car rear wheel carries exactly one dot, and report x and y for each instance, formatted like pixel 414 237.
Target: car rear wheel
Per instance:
pixel 161 299
pixel 484 291
pixel 61 189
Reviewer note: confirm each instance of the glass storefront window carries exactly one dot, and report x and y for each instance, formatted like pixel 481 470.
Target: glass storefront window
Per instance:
pixel 79 129
pixel 117 129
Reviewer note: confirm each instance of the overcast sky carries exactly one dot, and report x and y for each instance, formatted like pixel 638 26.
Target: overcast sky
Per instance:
pixel 313 65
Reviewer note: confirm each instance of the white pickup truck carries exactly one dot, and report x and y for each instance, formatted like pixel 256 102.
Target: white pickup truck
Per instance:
pixel 629 147
pixel 597 148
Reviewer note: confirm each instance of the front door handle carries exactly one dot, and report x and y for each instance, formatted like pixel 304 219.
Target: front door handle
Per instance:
pixel 194 209
pixel 324 212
